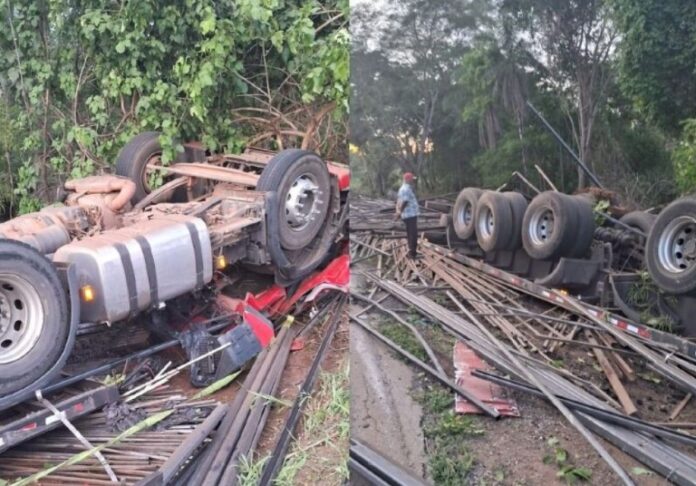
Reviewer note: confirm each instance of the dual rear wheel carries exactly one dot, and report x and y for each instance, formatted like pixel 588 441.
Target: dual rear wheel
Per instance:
pixel 551 226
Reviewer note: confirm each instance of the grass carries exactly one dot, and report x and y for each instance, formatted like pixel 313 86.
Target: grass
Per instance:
pixel 403 336
pixel 250 470
pixel 320 453
pixel 567 471
pixel 449 459
pixel 323 437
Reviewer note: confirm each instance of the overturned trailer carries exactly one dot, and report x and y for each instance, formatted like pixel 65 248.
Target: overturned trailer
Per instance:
pixel 115 249
pixel 562 241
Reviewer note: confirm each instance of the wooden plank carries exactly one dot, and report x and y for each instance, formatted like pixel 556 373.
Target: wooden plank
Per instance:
pixel 621 363
pixel 612 377
pixel 680 406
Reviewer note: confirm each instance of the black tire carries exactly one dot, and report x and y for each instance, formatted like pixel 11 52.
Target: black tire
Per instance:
pixel 466 202
pixel 639 220
pixel 282 171
pixel 518 205
pixel 133 158
pixel 585 222
pixel 20 261
pixel 675 280
pixel 560 240
pixel 493 221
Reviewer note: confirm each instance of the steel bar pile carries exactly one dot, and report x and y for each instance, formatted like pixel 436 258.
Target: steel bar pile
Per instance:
pixel 520 336
pixel 378 215
pixel 157 435
pixel 239 433
pixel 273 466
pixel 132 458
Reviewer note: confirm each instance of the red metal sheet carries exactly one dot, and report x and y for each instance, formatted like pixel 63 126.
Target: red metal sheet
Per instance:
pixel 466 361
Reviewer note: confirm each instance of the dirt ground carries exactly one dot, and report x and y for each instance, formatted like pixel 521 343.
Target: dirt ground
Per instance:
pixel 382 412
pixel 514 451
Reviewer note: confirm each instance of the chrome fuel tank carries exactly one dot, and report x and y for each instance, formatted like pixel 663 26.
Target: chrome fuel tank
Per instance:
pixel 134 268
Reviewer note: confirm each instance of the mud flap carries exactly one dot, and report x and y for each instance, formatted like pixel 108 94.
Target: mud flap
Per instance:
pixel 246 341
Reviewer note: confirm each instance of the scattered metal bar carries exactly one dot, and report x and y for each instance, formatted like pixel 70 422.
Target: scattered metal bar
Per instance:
pixel 173 464
pixel 272 467
pixel 411 327
pixel 591 439
pixel 216 325
pixel 602 414
pixel 560 140
pixel 376 469
pixel 442 378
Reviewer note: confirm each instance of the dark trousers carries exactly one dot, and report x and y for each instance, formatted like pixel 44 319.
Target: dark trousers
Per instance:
pixel 412 234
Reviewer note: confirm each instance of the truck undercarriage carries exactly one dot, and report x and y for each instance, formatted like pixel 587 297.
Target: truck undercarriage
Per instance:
pixel 115 250
pixel 641 264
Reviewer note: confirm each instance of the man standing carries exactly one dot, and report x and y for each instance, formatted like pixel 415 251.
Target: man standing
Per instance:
pixel 407 209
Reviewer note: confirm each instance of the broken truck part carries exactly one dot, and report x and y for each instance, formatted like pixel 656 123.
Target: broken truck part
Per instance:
pixel 103 257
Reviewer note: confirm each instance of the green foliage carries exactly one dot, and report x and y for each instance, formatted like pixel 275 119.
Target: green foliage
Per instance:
pixel 450 460
pixel 658 57
pixel 82 79
pixel 568 472
pixel 642 296
pixel 403 336
pixel 684 157
pixel 403 66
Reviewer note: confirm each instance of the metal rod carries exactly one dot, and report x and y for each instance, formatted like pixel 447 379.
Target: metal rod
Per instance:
pixel 607 415
pixel 560 140
pixel 596 445
pixel 411 327
pixel 274 464
pixel 445 380
pixel 140 354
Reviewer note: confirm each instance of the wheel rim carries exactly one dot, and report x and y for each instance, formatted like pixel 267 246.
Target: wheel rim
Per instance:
pixel 302 202
pixel 676 245
pixel 541 226
pixel 465 214
pixel 486 223
pixel 21 317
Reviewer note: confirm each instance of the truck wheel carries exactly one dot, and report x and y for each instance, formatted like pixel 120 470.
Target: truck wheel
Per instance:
pixel 34 317
pixel 585 226
pixel 493 221
pixel 302 182
pixel 133 159
pixel 670 252
pixel 464 212
pixel 518 205
pixel 639 220
pixel 549 225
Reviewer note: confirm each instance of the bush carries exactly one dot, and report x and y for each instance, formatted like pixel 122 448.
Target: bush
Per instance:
pixel 81 79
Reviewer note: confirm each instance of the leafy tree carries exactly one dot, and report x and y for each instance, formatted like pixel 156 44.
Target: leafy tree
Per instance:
pixel 83 77
pixel 658 58
pixel 404 61
pixel 573 43
pixel 685 158
pixel 495 82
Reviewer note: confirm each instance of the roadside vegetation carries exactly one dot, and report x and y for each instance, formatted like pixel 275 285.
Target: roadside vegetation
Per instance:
pixel 320 453
pixel 78 80
pixel 440 89
pixel 450 458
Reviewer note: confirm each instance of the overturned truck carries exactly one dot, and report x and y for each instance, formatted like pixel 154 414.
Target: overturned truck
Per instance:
pixel 564 241
pixel 114 249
